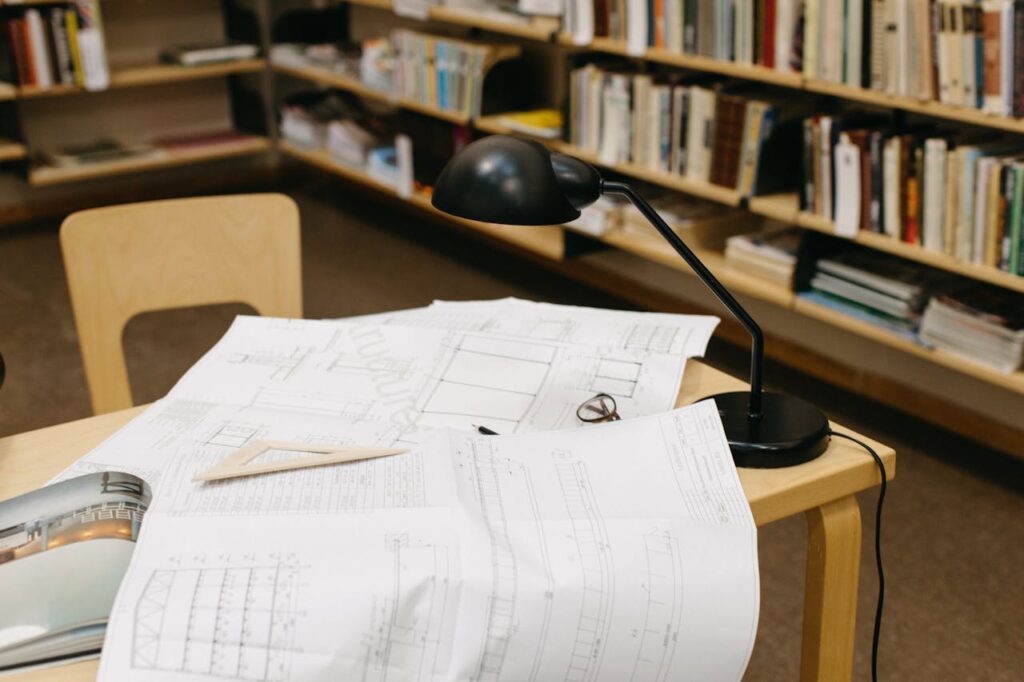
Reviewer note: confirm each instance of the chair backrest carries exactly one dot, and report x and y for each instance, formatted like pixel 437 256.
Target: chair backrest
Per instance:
pixel 125 260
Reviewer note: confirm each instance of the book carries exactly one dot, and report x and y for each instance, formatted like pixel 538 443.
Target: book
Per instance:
pixel 979 322
pixel 201 54
pixel 546 123
pixel 66 547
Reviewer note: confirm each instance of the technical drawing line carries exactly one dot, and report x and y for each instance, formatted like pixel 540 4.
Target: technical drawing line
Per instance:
pixel 501 608
pixel 659 634
pixel 596 572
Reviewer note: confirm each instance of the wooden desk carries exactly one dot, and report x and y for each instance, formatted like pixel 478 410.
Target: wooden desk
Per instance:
pixel 823 490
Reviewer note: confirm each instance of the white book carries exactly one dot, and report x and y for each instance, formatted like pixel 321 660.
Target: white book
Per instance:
pixel 579 20
pixel 891 82
pixel 954 56
pixel 676 156
pixel 853 42
pixel 903 52
pixel 847 190
pixel 597 84
pixel 891 187
pixel 811 21
pixel 663 147
pixel 878 45
pixel 825 180
pixel 636 27
pixel 951 213
pixel 674 25
pixel 42 70
pixel 700 134
pixel 786 11
pixel 944 40
pixel 965 221
pixel 934 193
pixel 968 63
pixel 1006 71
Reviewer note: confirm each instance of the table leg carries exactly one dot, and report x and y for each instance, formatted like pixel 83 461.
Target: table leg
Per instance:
pixel 830 592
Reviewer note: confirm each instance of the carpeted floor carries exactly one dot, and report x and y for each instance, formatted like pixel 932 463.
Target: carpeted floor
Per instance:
pixel 954 522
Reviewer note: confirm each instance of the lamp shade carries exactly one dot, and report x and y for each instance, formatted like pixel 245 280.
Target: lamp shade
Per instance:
pixel 512 181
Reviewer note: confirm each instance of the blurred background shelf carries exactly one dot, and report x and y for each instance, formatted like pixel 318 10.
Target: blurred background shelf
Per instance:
pixel 51 175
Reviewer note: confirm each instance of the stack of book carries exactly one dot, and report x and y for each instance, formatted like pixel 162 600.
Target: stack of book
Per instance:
pixel 981 322
pixel 700 133
pixel 876 288
pixel 341 59
pixel 60 45
pixel 961 52
pixel 341 125
pixel 438 72
pixel 101 151
pixel 772 256
pixel 944 193
pixel 208 53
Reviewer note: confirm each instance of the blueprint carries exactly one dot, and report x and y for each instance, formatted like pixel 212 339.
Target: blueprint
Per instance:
pixel 623 551
pixel 686 335
pixel 397 382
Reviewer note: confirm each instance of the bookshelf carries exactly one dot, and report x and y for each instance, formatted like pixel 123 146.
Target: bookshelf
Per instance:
pixel 534 28
pixel 152 74
pixel 705 190
pixel 322 76
pixel 52 175
pixel 544 241
pixel 202 100
pixel 11 150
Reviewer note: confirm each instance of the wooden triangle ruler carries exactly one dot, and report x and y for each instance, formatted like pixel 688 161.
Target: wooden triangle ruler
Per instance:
pixel 241 461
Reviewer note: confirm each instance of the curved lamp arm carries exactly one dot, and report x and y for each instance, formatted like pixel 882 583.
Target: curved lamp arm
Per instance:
pixel 712 283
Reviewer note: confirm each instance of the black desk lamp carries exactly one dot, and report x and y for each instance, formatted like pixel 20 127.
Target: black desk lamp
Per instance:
pixel 514 181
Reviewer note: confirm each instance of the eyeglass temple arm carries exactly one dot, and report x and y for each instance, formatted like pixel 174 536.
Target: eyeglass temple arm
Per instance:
pixel 712 283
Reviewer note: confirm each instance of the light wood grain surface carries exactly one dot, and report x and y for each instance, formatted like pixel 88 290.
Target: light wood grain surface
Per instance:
pixel 125 260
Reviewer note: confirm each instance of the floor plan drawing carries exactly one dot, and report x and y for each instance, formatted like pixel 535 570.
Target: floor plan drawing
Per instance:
pixel 231 620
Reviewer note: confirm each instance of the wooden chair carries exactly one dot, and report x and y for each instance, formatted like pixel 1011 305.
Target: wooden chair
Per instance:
pixel 125 260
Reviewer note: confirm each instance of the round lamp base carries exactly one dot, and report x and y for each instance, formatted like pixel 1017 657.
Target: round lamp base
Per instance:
pixel 790 430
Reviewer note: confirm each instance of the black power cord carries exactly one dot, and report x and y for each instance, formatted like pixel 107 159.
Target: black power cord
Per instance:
pixel 878 551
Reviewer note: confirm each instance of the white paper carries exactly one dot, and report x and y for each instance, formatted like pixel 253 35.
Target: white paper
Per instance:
pixel 614 552
pixel 397 383
pixel 637 331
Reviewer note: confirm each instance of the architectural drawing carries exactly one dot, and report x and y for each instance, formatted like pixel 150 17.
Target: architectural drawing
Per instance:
pixel 596 572
pixel 404 636
pixel 659 633
pixel 226 619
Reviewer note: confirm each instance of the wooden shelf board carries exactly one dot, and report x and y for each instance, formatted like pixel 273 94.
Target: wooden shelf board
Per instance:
pixel 546 241
pixel 796 81
pixel 657 250
pixel 706 190
pixel 746 71
pixel 935 109
pixel 8 91
pixel 50 175
pixel 536 28
pixel 151 74
pixel 915 252
pixel 784 207
pixel 322 76
pixel 12 151
pixel 1013 382
pixel 323 160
